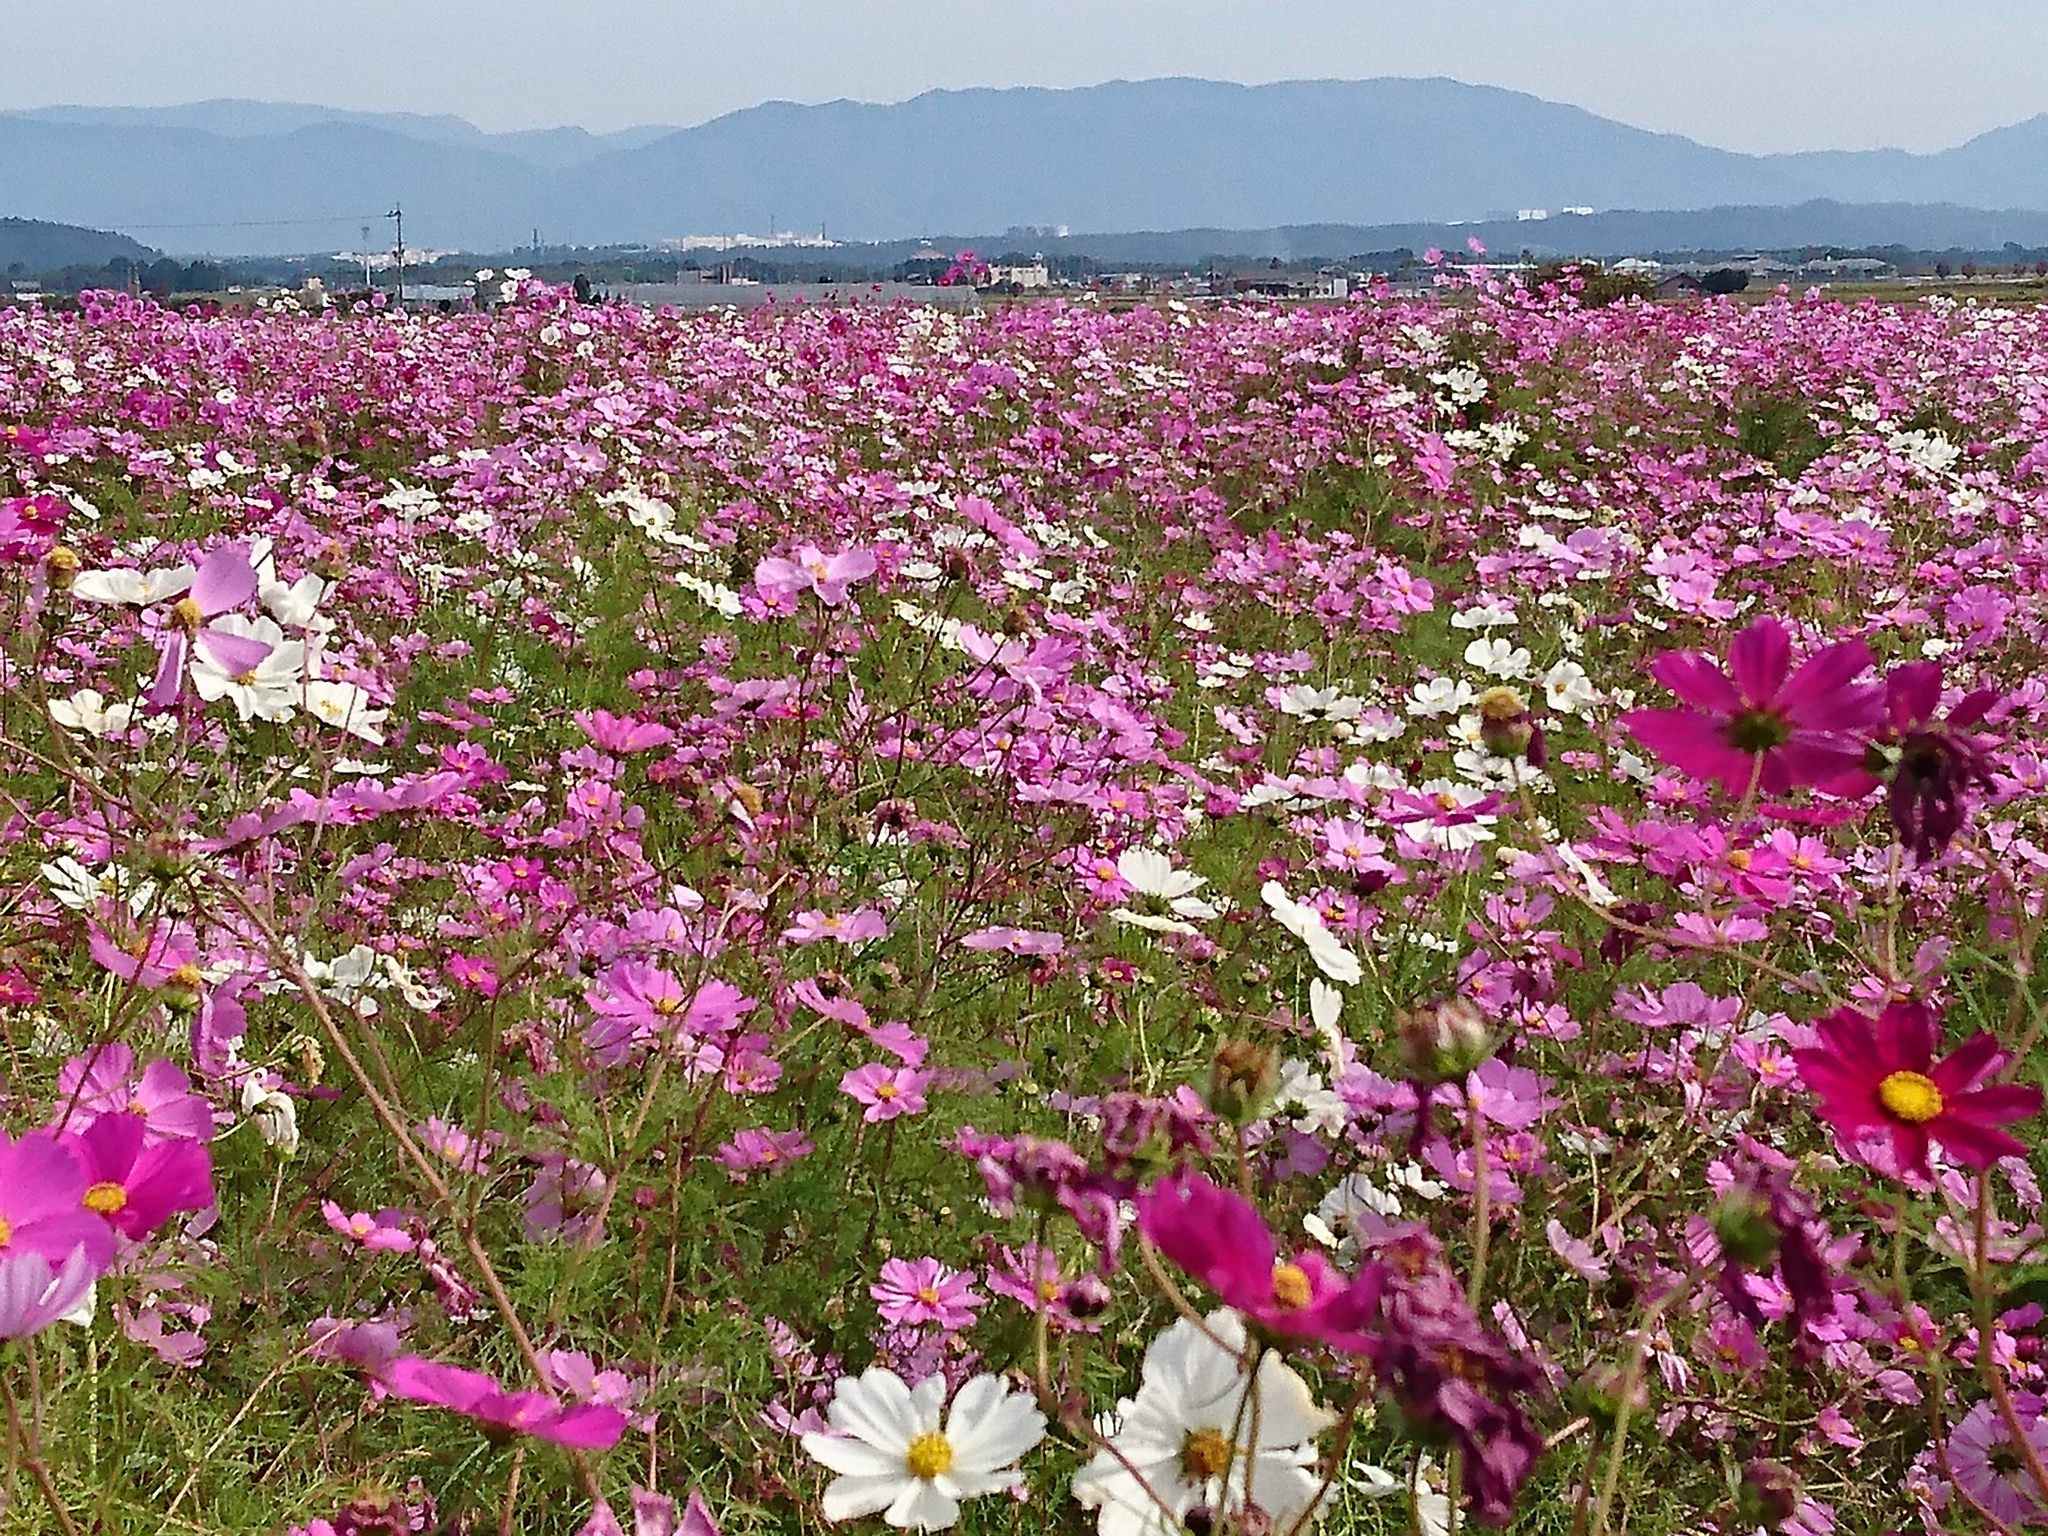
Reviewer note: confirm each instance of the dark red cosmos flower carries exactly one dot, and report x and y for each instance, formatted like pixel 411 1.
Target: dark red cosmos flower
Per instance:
pixel 1761 719
pixel 1218 1237
pixel 1938 759
pixel 1888 1098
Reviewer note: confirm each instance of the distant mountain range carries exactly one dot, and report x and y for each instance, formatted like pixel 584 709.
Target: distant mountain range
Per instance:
pixel 264 178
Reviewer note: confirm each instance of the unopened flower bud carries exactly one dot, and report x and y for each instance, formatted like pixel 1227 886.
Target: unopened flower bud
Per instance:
pixel 1507 729
pixel 62 566
pixel 182 989
pixel 1769 1495
pixel 1440 1042
pixel 1743 1225
pixel 1601 1391
pixel 1242 1081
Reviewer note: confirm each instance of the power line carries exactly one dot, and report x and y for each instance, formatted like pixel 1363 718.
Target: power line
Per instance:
pixel 340 218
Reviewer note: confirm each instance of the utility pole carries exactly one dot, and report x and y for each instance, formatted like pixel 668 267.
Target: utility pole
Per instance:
pixel 397 214
pixel 366 260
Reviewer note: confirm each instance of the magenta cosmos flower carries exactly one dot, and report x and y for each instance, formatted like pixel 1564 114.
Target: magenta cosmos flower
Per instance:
pixel 1218 1238
pixel 1760 719
pixel 42 1203
pixel 586 1426
pixel 1887 1097
pixel 135 1187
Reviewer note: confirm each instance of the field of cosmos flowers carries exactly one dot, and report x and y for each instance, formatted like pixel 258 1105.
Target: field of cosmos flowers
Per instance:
pixel 1369 918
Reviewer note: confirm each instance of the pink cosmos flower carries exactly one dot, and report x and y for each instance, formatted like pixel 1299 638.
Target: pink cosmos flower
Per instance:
pixel 810 569
pixel 1760 718
pixel 622 736
pixel 1218 1238
pixel 225 580
pixel 586 1426
pixel 654 1515
pixel 380 1233
pixel 887 1091
pixel 135 1186
pixel 847 927
pixel 42 1203
pixel 103 1081
pixel 1888 1098
pixel 913 1292
pixel 35 1293
pixel 1015 941
pixel 758 1151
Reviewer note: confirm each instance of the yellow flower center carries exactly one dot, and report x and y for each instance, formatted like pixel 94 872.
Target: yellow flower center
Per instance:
pixel 107 1199
pixel 6 1232
pixel 188 976
pixel 887 1091
pixel 1739 858
pixel 929 1295
pixel 1911 1097
pixel 1446 801
pixel 1204 1454
pixel 187 615
pixel 666 1005
pixel 930 1455
pixel 1291 1286
pixel 1048 1291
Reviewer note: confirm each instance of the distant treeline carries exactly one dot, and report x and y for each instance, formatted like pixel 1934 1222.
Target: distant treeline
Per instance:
pixel 160 278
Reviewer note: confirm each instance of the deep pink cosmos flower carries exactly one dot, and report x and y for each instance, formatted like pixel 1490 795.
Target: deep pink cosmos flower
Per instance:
pixel 42 1203
pixel 1218 1238
pixel 137 1187
pixel 812 570
pixel 1760 719
pixel 1887 1097
pixel 586 1426
pixel 913 1292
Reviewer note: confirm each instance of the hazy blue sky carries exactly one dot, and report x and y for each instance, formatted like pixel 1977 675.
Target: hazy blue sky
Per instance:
pixel 1743 74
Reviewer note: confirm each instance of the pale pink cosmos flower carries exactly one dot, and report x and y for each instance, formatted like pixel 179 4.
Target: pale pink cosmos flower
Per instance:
pixel 887 1091
pixel 858 927
pixel 811 569
pixel 225 580
pixel 35 1293
pixel 913 1292
pixel 1015 941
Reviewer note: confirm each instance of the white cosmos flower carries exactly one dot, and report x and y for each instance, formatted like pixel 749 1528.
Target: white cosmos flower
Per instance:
pixel 1441 696
pixel 1489 615
pixel 88 711
pixel 1306 924
pixel 1187 1434
pixel 138 589
pixel 1568 689
pixel 892 1457
pixel 1498 658
pixel 1150 873
pixel 1317 703
pixel 267 691
pixel 346 706
pixel 276 1116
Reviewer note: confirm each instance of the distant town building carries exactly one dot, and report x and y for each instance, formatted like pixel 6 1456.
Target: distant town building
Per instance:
pixel 1531 215
pixel 786 240
pixel 1035 275
pixel 1578 211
